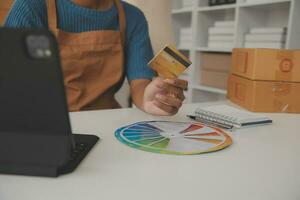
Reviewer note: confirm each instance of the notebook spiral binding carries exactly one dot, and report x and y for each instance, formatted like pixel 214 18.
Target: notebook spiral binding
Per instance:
pixel 216 118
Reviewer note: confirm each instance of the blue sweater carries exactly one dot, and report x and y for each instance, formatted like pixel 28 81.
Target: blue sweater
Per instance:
pixel 73 18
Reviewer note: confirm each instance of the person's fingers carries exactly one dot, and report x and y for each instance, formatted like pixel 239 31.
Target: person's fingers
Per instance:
pixel 173 91
pixel 183 84
pixel 168 100
pixel 167 108
pixel 173 88
pixel 179 96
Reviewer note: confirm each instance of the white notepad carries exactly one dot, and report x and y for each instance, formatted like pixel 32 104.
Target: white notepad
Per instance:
pixel 228 115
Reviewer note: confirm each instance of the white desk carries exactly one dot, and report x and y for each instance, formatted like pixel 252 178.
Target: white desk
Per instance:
pixel 262 164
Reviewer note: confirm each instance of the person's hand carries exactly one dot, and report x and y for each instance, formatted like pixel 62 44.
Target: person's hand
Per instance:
pixel 164 96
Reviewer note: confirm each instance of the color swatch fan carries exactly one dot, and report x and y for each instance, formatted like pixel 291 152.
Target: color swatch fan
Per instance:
pixel 173 137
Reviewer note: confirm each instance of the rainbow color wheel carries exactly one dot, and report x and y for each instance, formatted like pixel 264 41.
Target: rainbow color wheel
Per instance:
pixel 181 138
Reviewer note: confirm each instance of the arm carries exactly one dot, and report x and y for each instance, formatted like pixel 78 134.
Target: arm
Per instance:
pixel 137 88
pixel 154 96
pixel 27 14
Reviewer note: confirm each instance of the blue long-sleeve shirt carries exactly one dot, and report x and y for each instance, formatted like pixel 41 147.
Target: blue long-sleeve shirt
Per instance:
pixel 74 18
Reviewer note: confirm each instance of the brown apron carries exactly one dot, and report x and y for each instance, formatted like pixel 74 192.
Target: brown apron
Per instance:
pixel 92 63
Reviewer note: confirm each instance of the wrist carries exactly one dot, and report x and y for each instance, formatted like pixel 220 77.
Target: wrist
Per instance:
pixel 138 91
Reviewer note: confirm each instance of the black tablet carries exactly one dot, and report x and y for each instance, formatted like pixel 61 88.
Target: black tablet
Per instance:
pixel 35 131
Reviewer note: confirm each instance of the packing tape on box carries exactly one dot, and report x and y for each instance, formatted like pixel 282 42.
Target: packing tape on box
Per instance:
pixel 242 59
pixel 279 105
pixel 240 91
pixel 280 90
pixel 283 54
pixel 284 72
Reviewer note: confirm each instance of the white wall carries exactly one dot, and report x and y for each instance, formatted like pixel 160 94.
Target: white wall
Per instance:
pixel 158 14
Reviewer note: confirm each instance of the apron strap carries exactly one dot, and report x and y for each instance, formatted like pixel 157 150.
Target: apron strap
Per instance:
pixel 52 15
pixel 122 20
pixel 52 18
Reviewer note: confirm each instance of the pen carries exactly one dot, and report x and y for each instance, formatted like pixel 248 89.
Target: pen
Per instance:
pixel 224 126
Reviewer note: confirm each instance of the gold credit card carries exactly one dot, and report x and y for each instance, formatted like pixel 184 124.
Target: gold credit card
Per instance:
pixel 169 63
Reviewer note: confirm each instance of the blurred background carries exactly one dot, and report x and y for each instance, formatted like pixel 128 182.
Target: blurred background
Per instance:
pixel 207 30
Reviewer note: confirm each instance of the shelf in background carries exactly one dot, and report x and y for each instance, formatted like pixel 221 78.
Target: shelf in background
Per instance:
pixel 207 49
pixel 213 8
pixel 182 11
pixel 263 3
pixel 245 14
pixel 209 89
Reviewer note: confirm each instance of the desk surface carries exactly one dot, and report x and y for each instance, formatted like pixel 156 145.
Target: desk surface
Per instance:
pixel 262 164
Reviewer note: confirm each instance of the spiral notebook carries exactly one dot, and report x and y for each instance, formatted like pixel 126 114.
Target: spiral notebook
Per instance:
pixel 229 117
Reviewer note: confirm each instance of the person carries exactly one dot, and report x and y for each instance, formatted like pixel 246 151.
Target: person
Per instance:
pixel 101 42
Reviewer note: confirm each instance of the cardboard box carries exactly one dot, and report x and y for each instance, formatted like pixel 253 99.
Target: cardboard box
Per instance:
pixel 264 96
pixel 267 64
pixel 220 62
pixel 214 79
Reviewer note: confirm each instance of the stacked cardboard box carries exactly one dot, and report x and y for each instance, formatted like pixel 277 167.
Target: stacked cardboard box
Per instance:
pixel 221 35
pixel 266 38
pixel 215 69
pixel 265 80
pixel 185 37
